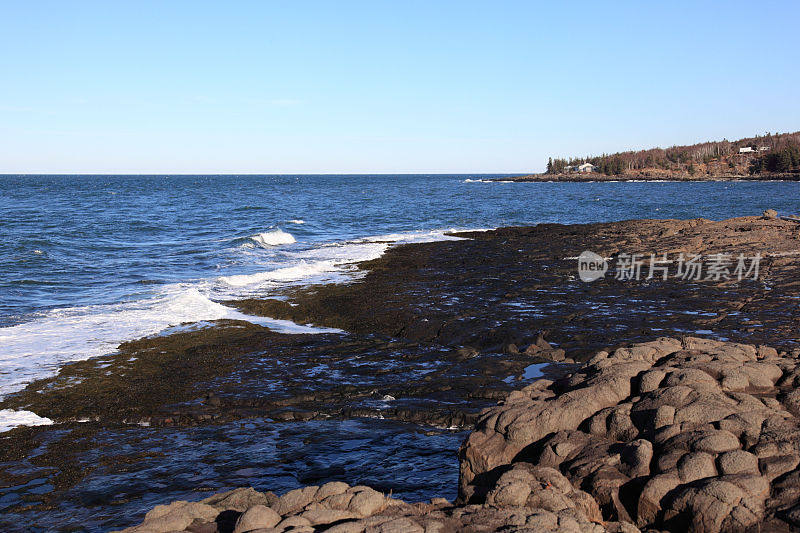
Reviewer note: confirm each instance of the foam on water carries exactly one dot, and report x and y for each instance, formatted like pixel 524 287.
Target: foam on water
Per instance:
pixel 275 237
pixel 305 270
pixel 414 237
pixel 9 419
pixel 329 262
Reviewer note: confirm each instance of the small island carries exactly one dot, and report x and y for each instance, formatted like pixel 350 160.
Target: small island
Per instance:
pixel 773 156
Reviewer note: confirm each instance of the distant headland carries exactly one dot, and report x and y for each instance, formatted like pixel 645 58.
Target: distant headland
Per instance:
pixel 773 156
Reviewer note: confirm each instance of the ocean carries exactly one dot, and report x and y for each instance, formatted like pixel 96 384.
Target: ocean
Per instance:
pixel 90 261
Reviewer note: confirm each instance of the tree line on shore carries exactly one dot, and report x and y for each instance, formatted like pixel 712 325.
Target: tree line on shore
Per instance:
pixel 772 152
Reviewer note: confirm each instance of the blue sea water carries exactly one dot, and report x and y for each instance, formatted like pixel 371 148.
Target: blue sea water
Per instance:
pixel 89 261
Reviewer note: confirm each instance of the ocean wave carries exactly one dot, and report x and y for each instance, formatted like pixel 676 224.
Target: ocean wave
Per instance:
pixel 297 221
pixel 469 180
pixel 274 237
pixel 415 237
pixel 326 263
pixel 297 272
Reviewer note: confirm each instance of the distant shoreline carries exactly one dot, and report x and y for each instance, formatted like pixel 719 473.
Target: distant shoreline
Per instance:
pixel 596 177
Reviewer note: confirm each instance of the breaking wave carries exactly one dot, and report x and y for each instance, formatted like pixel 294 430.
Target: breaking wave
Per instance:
pixel 267 239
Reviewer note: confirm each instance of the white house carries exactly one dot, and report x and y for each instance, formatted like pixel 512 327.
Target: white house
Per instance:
pixel 763 149
pixel 586 167
pixel 746 150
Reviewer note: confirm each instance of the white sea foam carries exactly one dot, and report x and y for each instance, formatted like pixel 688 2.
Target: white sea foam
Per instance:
pixel 297 221
pixel 415 237
pixel 274 237
pixel 328 263
pixel 9 419
pixel 298 272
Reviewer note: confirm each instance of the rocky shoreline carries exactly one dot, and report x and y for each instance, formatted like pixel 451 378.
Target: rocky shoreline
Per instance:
pixel 437 334
pixel 675 434
pixel 594 176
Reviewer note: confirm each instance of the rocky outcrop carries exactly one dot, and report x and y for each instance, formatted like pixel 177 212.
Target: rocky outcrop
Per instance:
pixel 675 434
pixel 678 434
pixel 528 498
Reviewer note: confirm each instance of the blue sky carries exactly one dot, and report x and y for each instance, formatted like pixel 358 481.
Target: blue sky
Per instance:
pixel 379 86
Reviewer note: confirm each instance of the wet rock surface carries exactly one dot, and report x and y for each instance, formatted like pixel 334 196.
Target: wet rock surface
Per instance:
pixel 435 333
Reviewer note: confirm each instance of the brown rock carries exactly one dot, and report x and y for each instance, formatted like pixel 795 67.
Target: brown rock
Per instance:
pixel 738 462
pixel 696 465
pixel 366 501
pixel 777 465
pixel 330 489
pixel 294 500
pixel 637 456
pixel 727 503
pixel 256 517
pixel 654 492
pixel 176 516
pixel 293 521
pixel 239 499
pixel 717 442
pixel 326 516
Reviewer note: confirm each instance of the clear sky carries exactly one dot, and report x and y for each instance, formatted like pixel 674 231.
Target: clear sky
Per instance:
pixel 380 86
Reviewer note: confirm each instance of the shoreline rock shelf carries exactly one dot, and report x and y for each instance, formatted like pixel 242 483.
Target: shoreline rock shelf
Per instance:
pixel 686 434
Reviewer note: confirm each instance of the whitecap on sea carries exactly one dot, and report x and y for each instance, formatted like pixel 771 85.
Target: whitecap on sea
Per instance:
pixel 274 237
